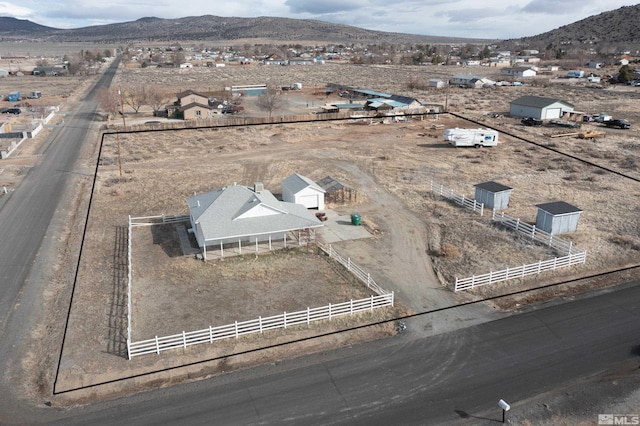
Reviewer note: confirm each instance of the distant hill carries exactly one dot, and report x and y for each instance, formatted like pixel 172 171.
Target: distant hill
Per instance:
pixel 214 28
pixel 614 30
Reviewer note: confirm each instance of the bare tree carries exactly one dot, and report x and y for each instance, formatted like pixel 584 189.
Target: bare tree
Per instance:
pixel 135 97
pixel 156 98
pixel 270 100
pixel 109 101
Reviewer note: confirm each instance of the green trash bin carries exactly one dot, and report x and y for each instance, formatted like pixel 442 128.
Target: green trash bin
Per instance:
pixel 355 219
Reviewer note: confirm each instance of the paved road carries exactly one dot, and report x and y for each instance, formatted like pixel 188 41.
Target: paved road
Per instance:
pixel 436 380
pixel 24 219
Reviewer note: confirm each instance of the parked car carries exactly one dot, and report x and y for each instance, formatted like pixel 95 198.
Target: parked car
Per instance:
pixel 13 110
pixel 619 123
pixel 530 121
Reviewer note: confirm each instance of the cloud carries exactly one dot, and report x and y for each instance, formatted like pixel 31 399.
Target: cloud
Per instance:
pixel 8 9
pixel 324 6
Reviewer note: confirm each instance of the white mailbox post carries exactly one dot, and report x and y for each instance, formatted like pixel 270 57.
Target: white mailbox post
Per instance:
pixel 505 407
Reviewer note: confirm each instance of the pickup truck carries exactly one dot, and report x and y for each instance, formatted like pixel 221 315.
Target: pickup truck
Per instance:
pixel 619 123
pixel 530 121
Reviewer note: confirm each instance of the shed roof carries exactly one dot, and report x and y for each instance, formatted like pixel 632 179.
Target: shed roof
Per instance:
pixel 372 93
pixel 296 183
pixel 492 186
pixel 238 211
pixel 538 101
pixel 330 184
pixel 558 208
pixel 194 105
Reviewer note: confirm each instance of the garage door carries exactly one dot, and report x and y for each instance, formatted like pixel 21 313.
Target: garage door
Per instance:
pixel 552 113
pixel 309 201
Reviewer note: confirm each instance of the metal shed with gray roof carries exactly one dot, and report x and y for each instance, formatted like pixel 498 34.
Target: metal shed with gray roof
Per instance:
pixel 557 217
pixel 493 195
pixel 539 107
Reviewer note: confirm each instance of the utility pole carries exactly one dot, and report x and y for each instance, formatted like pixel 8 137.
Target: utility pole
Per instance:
pixel 118 133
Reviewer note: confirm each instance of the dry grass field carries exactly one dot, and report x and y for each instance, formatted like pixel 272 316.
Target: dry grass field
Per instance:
pixel 420 242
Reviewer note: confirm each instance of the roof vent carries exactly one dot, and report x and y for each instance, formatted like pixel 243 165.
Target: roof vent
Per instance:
pixel 258 187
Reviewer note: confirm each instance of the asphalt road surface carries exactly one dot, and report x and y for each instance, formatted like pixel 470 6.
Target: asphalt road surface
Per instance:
pixel 436 380
pixel 24 219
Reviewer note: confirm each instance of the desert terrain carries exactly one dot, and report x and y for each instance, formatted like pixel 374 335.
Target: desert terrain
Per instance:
pixel 419 242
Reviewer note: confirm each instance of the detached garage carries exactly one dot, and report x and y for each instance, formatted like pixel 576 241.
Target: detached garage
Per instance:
pixel 302 190
pixel 539 107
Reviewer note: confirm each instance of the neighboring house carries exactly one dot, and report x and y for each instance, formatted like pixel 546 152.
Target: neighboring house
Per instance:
pixel 595 64
pixel 195 111
pixel 539 107
pixel 469 80
pixel 392 103
pixel 192 105
pixel 521 72
pixel 302 190
pixel 241 214
pixel 190 96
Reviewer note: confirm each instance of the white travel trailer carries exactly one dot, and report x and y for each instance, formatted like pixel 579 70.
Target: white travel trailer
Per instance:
pixel 471 137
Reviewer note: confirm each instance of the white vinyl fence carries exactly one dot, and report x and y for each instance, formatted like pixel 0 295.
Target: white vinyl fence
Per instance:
pixel 466 202
pixel 571 256
pixel 259 325
pixel 528 230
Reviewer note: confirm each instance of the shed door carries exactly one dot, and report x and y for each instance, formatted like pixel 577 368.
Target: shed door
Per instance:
pixel 552 113
pixel 309 201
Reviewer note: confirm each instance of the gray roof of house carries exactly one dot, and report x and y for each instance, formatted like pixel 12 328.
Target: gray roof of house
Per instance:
pixel 537 101
pixel 558 208
pixel 492 186
pixel 297 183
pixel 226 213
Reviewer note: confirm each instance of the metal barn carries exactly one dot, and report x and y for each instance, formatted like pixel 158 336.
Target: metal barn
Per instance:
pixel 493 195
pixel 557 217
pixel 539 107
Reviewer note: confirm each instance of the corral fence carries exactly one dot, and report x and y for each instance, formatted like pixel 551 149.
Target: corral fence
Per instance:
pixel 571 256
pixel 450 194
pixel 158 344
pixel 530 231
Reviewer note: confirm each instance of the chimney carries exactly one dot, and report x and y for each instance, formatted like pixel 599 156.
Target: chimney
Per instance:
pixel 258 187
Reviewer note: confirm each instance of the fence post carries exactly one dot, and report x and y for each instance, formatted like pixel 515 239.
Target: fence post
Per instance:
pixel 523 268
pixel 351 307
pixel 348 264
pixel 329 310
pixel 550 239
pixel 473 280
pixel 157 346
pixel 371 306
pixel 184 339
pixel 329 250
pixel 284 317
pixel 490 277
pixel 236 329
pixel 210 334
pixel 539 265
pixel 308 316
pixel 533 232
pixel 555 259
pixel 455 286
pixel 517 224
pixel 481 209
pixel 260 322
pixel 368 280
pixel 462 204
pixel 570 246
pixel 507 273
pixel 129 348
pixel 392 298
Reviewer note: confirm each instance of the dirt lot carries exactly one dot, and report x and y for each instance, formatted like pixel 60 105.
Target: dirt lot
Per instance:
pixel 420 243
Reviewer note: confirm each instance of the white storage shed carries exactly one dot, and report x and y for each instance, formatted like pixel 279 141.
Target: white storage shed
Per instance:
pixel 557 217
pixel 302 190
pixel 493 195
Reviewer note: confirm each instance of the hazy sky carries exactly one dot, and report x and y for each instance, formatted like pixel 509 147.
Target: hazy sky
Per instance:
pixel 499 19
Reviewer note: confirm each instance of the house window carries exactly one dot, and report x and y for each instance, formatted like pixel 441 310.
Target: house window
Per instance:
pixel 198 112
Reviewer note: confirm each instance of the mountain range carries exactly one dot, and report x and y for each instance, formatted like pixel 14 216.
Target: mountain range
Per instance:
pixel 617 27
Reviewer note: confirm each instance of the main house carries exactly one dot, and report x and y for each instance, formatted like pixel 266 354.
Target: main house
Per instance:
pixel 241 214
